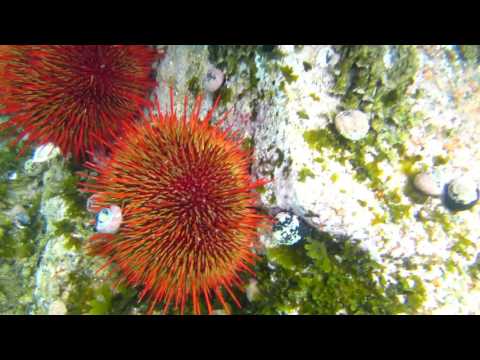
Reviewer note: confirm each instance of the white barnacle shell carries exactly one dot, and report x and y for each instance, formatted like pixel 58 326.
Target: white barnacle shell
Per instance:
pixel 109 220
pixel 45 152
pixel 430 183
pixel 352 124
pixel 463 191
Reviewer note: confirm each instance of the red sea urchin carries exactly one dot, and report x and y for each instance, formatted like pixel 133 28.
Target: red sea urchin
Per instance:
pixel 75 96
pixel 189 219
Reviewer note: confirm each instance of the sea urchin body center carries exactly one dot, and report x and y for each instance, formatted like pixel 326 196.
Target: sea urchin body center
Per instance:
pixel 195 194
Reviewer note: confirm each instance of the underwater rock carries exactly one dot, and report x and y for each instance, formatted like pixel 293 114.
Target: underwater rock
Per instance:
pixel 57 308
pixel 22 219
pixel 219 312
pixel 19 216
pixel 53 209
pixel 336 200
pixel 188 65
pixel 461 194
pixel 342 196
pixel 109 220
pixel 353 125
pixel 429 183
pixel 32 168
pixel 214 79
pixel 252 290
pixel 45 152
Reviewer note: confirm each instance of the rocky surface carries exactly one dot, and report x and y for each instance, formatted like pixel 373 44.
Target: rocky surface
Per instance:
pixel 321 184
pixel 362 225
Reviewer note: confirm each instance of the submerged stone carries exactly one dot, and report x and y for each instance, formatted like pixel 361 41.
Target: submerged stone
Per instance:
pixel 429 183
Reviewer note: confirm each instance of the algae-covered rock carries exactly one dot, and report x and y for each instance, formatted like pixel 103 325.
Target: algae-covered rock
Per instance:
pixel 370 241
pixel 423 109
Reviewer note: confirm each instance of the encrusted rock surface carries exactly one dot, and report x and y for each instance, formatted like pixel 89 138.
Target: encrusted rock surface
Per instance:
pixel 393 223
pixel 424 116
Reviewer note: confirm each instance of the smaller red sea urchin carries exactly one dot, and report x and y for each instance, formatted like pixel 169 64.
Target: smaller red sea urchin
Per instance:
pixel 188 208
pixel 74 96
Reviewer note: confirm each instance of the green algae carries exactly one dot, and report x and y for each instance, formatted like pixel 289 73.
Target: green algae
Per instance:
pixel 273 199
pixel 444 219
pixel 396 210
pixel 379 219
pixel 307 66
pixel 334 178
pixel 345 150
pixel 362 203
pixel 303 115
pixel 248 144
pixel 88 297
pixel 470 53
pixel 66 229
pixel 18 241
pixel 304 173
pixel 288 74
pixel 194 86
pixel 474 269
pixel 462 245
pixel 261 189
pixel 440 160
pixel 324 276
pixel 226 95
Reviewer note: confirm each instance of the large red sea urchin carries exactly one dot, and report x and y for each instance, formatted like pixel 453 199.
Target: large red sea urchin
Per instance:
pixel 188 207
pixel 75 96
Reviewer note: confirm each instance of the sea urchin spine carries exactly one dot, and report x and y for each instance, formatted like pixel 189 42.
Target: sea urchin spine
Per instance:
pixel 188 206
